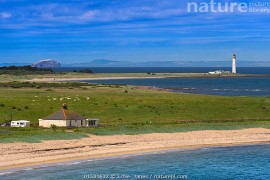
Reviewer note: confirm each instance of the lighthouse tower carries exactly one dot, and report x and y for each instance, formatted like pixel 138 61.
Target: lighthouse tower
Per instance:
pixel 234 64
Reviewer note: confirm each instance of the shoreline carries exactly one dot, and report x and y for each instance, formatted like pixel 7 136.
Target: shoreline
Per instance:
pixel 14 155
pixel 78 160
pixel 87 79
pixel 161 76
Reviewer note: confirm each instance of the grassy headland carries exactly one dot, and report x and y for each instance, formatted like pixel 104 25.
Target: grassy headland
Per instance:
pixel 125 110
pixel 64 76
pixel 121 109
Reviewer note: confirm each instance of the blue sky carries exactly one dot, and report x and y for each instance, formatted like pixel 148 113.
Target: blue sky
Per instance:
pixel 128 30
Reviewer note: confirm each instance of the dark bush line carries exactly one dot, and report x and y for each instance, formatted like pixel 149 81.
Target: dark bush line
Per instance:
pixel 23 70
pixel 85 71
pixel 16 84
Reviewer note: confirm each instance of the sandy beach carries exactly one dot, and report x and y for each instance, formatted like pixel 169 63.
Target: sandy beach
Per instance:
pixel 139 76
pixel 87 79
pixel 15 155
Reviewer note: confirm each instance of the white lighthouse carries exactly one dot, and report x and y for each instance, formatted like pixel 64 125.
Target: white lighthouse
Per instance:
pixel 234 63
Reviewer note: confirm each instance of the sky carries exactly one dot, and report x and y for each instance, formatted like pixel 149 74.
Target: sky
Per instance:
pixel 71 31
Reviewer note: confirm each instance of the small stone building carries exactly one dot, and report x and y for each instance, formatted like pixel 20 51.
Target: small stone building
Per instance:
pixel 67 118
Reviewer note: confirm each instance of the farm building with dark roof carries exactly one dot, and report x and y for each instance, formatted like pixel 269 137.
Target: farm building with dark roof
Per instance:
pixel 66 118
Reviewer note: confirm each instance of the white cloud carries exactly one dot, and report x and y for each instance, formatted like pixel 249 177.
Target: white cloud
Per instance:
pixel 5 15
pixel 89 15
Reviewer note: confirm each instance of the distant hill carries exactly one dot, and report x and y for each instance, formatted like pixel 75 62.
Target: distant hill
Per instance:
pixel 94 63
pixel 111 63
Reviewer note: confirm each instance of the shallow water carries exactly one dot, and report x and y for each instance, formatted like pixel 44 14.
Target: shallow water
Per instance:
pixel 229 86
pixel 240 162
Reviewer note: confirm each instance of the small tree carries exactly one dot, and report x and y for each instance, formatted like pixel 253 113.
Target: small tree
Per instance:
pixel 53 127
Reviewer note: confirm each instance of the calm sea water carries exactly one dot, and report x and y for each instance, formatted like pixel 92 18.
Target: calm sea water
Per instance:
pixel 223 163
pixel 229 86
pixel 244 70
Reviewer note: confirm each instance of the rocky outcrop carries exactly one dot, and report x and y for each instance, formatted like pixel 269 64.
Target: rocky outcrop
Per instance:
pixel 48 63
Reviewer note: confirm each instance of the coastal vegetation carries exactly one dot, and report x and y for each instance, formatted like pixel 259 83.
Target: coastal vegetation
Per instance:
pixel 22 73
pixel 24 70
pixel 84 71
pixel 35 135
pixel 123 110
pixel 18 84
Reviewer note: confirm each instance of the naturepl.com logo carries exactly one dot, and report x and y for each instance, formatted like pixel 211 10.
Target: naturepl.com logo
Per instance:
pixel 229 7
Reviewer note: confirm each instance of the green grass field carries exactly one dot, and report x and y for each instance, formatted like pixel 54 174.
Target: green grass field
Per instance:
pixel 35 135
pixel 127 110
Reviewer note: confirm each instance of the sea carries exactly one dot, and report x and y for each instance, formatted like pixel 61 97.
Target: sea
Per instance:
pixel 243 70
pixel 227 86
pixel 213 163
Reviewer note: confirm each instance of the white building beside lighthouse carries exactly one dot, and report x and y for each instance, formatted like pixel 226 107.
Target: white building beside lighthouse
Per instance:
pixel 234 63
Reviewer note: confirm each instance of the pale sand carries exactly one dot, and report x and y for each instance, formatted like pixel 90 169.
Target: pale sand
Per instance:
pixel 116 77
pixel 14 155
pixel 85 79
